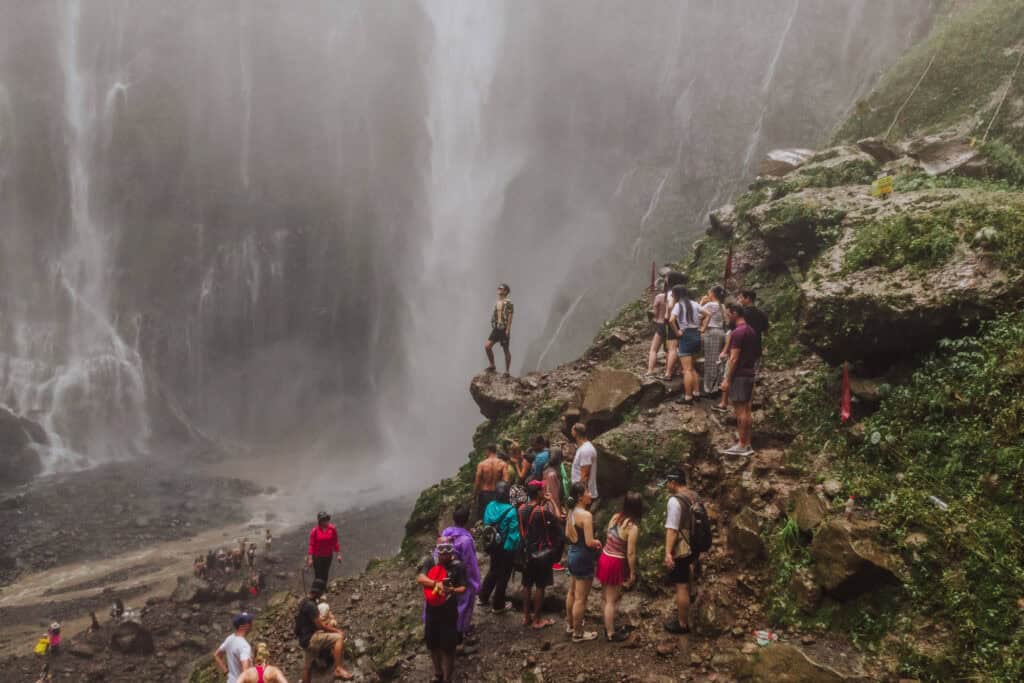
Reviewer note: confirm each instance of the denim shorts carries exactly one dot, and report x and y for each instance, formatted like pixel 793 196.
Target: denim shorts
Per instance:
pixel 581 562
pixel 689 343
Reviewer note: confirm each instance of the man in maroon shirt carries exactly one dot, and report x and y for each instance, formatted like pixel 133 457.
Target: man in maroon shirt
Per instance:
pixel 744 352
pixel 323 544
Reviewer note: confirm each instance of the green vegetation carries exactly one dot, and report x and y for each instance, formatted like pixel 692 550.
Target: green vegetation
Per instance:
pixel 974 53
pixel 794 228
pixel 953 431
pixel 924 240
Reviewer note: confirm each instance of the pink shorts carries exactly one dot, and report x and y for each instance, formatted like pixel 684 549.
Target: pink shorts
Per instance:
pixel 611 571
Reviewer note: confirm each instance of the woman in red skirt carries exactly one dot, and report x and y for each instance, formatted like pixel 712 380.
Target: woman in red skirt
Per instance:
pixel 616 568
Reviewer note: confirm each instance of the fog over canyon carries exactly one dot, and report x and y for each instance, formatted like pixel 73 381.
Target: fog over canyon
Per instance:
pixel 241 224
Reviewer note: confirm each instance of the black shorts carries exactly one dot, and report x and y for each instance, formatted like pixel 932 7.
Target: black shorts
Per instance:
pixel 681 572
pixel 741 389
pixel 538 574
pixel 499 336
pixel 440 631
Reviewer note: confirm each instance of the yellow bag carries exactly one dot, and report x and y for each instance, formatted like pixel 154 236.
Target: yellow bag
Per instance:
pixel 41 645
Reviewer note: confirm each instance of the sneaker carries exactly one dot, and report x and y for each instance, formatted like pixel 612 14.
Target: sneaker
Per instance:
pixel 745 451
pixel 731 450
pixel 502 609
pixel 584 636
pixel 557 567
pixel 568 628
pixel 719 409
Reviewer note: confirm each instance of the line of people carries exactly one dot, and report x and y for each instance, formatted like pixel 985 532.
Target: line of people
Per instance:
pixel 729 335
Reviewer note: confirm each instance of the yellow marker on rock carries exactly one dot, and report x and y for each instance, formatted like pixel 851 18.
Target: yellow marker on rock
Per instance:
pixel 882 187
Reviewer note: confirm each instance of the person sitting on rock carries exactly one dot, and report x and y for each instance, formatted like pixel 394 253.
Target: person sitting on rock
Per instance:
pixel 501 329
pixel 235 654
pixel 316 637
pixel 262 671
pixel 489 472
pixel 443 579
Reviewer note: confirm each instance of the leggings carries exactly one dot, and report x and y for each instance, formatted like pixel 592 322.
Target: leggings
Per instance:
pixel 322 566
pixel 498 575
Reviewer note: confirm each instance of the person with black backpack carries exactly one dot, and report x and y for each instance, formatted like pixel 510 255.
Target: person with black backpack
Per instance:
pixel 542 531
pixel 500 540
pixel 317 638
pixel 687 535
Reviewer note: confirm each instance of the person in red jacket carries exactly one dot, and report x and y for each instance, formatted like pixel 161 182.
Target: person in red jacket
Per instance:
pixel 323 545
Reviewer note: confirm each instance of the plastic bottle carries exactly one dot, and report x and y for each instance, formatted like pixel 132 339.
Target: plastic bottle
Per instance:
pixel 939 503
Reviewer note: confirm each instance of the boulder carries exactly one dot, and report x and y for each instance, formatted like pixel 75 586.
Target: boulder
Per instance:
pixel 715 611
pixel 723 221
pixel 847 561
pixel 652 393
pixel 805 591
pixel 19 457
pixel 745 540
pixel 607 395
pixel 132 638
pixel 939 155
pixel 879 149
pixel 233 589
pixel 785 663
pixel 191 589
pixel 495 395
pixel 80 649
pixel 809 510
pixel 779 162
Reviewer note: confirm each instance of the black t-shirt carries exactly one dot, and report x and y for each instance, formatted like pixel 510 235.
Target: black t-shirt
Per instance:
pixel 542 529
pixel 305 621
pixel 756 318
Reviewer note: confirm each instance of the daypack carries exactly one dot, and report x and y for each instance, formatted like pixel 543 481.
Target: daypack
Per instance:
pixel 304 626
pixel 492 539
pixel 434 596
pixel 548 548
pixel 700 525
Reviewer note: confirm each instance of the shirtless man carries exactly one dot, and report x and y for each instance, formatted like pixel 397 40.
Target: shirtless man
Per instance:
pixel 488 473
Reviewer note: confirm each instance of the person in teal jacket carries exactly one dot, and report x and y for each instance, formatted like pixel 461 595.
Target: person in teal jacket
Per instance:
pixel 500 514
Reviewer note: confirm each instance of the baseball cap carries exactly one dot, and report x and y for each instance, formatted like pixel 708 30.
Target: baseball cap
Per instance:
pixel 677 476
pixel 242 618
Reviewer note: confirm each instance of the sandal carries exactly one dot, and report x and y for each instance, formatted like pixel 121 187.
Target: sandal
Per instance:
pixel 616 637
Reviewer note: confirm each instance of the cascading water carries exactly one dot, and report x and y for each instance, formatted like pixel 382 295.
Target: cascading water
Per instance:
pixel 284 228
pixel 77 376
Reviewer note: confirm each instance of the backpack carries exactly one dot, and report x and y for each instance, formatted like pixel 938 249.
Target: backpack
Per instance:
pixel 546 549
pixel 304 625
pixel 492 539
pixel 700 525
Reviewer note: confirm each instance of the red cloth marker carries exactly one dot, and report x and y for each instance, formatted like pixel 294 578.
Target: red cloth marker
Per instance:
pixel 844 410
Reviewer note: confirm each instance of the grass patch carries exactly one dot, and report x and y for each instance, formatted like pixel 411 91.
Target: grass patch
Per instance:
pixel 973 55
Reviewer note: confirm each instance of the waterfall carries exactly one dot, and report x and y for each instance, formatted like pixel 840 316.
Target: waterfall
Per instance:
pixel 79 378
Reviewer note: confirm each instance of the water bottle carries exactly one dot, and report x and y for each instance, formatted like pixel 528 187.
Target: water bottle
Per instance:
pixel 939 503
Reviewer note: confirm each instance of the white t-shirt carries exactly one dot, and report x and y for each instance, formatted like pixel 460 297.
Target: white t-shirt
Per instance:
pixel 713 309
pixel 236 649
pixel 586 455
pixel 675 514
pixel 694 321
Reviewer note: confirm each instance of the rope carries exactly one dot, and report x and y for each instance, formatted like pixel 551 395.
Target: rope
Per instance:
pixel 1007 92
pixel 905 102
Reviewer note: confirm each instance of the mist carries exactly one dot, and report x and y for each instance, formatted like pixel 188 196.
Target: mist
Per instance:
pixel 276 234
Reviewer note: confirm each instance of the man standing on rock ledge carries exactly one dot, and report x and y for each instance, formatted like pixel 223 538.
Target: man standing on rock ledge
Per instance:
pixel 738 385
pixel 501 329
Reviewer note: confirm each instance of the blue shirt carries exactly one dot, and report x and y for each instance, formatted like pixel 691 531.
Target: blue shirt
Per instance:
pixel 509 527
pixel 540 461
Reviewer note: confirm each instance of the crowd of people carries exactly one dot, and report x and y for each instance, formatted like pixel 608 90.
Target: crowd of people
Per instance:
pixel 535 507
pixel 729 336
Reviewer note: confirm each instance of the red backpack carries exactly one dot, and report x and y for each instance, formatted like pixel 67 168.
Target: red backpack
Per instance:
pixel 434 596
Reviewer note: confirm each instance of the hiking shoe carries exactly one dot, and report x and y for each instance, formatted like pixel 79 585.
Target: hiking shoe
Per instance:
pixel 673 626
pixel 584 636
pixel 557 567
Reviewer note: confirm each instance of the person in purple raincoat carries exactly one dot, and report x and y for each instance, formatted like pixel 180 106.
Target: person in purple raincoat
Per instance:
pixel 465 551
